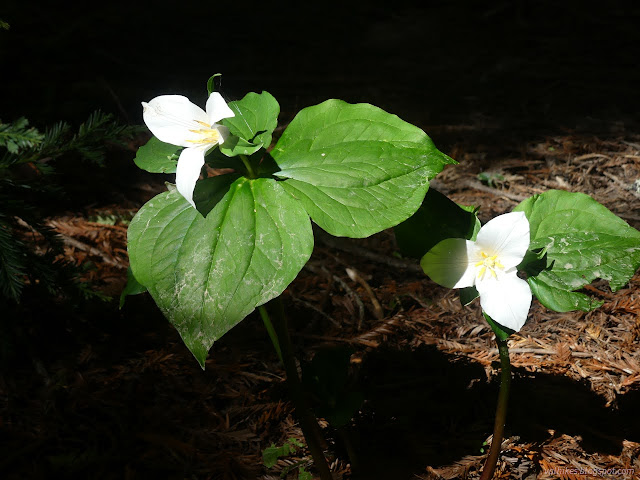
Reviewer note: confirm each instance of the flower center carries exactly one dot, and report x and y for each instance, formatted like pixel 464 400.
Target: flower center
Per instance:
pixel 488 264
pixel 206 135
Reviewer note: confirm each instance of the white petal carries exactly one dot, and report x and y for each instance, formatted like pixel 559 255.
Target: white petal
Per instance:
pixel 171 118
pixel 224 133
pixel 507 300
pixel 217 108
pixel 507 236
pixel 448 263
pixel 188 171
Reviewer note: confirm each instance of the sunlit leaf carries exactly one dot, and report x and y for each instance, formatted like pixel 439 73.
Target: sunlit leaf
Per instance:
pixel 157 157
pixel 256 117
pixel 583 241
pixel 356 168
pixel 207 274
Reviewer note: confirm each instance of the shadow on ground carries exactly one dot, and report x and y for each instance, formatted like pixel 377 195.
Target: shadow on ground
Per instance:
pixel 427 408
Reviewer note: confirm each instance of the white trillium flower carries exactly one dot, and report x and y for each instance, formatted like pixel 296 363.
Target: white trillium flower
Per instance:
pixel 489 264
pixel 174 119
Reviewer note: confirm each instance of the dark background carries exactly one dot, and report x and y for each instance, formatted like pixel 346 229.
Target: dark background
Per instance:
pixel 517 64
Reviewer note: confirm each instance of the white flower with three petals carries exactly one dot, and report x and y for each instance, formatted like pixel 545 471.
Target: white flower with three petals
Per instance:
pixel 490 265
pixel 174 119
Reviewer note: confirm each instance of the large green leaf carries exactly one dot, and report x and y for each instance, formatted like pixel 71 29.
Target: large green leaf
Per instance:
pixel 207 274
pixel 133 287
pixel 583 241
pixel 256 117
pixel 437 218
pixel 209 191
pixel 157 157
pixel 356 168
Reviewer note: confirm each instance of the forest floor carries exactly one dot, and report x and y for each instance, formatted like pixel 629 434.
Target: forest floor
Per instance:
pixel 112 393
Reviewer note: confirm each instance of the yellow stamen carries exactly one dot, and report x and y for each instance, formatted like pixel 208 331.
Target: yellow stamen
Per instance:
pixel 488 263
pixel 206 135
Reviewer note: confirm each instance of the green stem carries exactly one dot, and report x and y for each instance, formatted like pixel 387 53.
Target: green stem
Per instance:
pixel 248 166
pixel 270 330
pixel 501 410
pixel 308 422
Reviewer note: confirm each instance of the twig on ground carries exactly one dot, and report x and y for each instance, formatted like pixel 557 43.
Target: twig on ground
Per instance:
pixel 353 295
pixel 346 246
pixel 377 308
pixel 493 191
pixel 91 250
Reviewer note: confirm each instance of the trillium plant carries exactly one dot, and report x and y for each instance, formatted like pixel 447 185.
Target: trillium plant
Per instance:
pixel 215 248
pixel 489 264
pixel 559 241
pixel 235 229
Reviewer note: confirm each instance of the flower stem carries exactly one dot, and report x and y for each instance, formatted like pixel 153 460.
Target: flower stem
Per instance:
pixel 279 334
pixel 248 166
pixel 501 410
pixel 270 330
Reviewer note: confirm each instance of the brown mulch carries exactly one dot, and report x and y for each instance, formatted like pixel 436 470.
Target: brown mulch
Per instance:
pixel 124 398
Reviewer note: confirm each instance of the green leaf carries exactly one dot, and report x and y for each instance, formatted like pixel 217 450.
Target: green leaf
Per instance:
pixel 207 274
pixel 467 295
pixel 270 455
pixel 583 241
pixel 555 294
pixel 256 117
pixel 18 136
pixel 209 191
pixel 13 261
pixel 356 168
pixel 217 160
pixel 304 475
pixel 211 87
pixel 157 157
pixel 490 178
pixel 437 218
pixel 502 333
pixel 133 287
